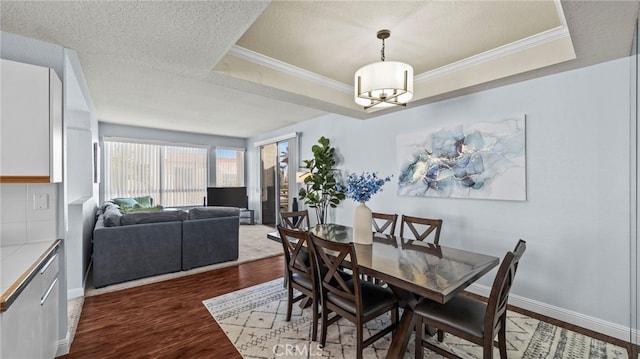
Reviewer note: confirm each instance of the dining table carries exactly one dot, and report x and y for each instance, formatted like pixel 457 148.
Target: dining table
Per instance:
pixel 412 269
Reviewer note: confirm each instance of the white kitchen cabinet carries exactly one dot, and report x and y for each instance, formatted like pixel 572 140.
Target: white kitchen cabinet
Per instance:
pixel 30 321
pixel 30 124
pixel 49 307
pixel 21 325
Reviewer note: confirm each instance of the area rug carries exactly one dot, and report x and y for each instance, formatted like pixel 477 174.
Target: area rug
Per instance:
pixel 253 245
pixel 254 321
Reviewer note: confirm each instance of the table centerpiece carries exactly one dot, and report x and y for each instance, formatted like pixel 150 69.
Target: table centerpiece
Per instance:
pixel 361 188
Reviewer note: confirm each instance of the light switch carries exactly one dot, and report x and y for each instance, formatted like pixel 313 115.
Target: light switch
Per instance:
pixel 40 201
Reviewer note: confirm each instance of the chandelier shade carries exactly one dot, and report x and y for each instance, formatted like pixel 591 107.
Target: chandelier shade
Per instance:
pixel 383 83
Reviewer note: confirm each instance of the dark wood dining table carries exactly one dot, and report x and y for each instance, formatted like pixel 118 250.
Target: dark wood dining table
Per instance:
pixel 412 269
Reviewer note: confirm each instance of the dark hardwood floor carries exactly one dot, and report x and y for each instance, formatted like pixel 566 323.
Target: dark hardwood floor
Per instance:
pixel 168 320
pixel 165 319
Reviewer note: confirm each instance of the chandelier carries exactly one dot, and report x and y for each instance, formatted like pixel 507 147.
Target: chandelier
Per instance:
pixel 385 83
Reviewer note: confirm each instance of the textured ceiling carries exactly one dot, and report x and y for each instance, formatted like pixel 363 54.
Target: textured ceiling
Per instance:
pixel 241 68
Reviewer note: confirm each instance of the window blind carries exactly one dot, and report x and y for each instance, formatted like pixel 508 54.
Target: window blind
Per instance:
pixel 173 175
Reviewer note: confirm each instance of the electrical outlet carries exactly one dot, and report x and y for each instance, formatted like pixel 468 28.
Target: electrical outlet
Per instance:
pixel 40 201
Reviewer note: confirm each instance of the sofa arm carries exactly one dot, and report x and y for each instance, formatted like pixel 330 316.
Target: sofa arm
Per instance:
pixel 130 252
pixel 209 241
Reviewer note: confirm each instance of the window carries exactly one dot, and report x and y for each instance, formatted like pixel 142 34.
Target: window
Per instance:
pixel 229 167
pixel 174 175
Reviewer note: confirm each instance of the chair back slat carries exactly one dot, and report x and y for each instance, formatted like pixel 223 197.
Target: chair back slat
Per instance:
pixel 421 228
pixel 497 304
pixel 384 223
pixel 298 258
pixel 332 256
pixel 295 219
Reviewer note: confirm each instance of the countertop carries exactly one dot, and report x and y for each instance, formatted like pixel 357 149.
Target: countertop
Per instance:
pixel 18 265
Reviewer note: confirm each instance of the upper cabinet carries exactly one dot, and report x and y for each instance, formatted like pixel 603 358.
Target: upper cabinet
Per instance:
pixel 30 124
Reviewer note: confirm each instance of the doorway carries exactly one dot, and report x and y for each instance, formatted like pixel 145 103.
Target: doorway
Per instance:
pixel 276 171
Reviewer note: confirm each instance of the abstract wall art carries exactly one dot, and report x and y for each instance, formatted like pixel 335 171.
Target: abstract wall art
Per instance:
pixel 484 160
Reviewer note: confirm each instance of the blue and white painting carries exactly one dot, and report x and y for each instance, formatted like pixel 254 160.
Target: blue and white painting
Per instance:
pixel 477 160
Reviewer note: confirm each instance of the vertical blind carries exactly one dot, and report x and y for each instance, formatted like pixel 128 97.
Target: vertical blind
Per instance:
pixel 229 167
pixel 172 175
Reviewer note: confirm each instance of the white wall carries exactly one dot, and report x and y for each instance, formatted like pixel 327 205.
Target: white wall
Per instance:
pixel 81 194
pixel 634 249
pixel 576 218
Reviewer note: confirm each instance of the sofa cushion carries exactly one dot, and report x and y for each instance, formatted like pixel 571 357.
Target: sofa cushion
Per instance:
pixel 141 209
pixel 152 217
pixel 112 216
pixel 213 212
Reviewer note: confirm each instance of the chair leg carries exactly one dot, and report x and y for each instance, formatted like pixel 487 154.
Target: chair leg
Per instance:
pixel 419 330
pixel 440 335
pixel 325 320
pixel 502 338
pixel 314 330
pixel 488 351
pixel 359 339
pixel 289 302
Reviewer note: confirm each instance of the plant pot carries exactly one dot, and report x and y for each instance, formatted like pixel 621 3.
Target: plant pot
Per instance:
pixel 362 232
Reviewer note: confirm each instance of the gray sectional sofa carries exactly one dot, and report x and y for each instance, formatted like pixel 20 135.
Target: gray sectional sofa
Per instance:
pixel 142 244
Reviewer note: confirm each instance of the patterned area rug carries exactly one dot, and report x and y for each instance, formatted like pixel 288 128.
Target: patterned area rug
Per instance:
pixel 254 321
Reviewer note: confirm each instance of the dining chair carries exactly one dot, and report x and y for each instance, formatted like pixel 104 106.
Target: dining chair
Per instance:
pixel 384 223
pixel 300 272
pixel 295 219
pixel 471 319
pixel 421 228
pixel 352 299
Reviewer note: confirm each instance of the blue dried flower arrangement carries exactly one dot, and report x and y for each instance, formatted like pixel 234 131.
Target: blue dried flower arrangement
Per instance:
pixel 361 187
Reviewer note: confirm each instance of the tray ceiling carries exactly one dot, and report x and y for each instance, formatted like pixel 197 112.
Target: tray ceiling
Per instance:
pixel 244 68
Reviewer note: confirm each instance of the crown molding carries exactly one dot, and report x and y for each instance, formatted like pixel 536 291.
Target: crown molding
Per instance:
pixel 278 65
pixel 551 35
pixel 487 56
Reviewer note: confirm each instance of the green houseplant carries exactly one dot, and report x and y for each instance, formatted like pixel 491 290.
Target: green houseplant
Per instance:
pixel 321 190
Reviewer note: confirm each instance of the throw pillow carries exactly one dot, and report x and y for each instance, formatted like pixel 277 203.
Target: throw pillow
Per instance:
pixel 104 206
pixel 144 201
pixel 112 217
pixel 125 202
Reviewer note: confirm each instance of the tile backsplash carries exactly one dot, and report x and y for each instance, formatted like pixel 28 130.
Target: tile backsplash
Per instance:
pixel 28 213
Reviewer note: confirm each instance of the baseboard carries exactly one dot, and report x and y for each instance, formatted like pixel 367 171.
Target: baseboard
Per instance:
pixel 63 346
pixel 74 293
pixel 86 275
pixel 79 292
pixel 597 325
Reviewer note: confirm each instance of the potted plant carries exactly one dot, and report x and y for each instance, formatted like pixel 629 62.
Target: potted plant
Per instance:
pixel 321 189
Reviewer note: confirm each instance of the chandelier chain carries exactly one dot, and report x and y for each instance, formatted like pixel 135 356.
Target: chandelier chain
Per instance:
pixel 382 51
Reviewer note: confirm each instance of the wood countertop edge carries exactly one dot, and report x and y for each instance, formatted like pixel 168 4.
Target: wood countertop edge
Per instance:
pixel 25 179
pixel 18 286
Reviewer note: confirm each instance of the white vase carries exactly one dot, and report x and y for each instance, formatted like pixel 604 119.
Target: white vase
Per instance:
pixel 362 232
